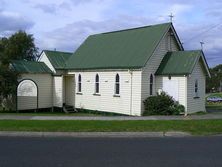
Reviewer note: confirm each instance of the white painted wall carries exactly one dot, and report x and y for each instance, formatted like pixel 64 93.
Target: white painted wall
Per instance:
pixel 44 58
pixel 196 104
pixel 44 83
pixel 180 87
pixel 26 103
pixel 154 62
pixel 106 101
pixel 58 91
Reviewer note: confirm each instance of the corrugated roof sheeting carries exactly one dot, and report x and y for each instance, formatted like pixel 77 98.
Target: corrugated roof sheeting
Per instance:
pixel 178 63
pixel 57 58
pixel 120 49
pixel 23 66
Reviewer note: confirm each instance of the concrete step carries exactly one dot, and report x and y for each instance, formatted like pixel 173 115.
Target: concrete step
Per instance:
pixel 69 109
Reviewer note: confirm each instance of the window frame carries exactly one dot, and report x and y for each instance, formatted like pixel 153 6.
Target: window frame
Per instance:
pixel 117 85
pixel 97 86
pixel 151 78
pixel 196 88
pixel 79 89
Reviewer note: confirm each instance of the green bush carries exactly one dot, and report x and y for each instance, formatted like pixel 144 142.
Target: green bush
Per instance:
pixel 162 104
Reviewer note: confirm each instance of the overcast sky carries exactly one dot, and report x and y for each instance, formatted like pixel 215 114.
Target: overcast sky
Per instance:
pixel 64 24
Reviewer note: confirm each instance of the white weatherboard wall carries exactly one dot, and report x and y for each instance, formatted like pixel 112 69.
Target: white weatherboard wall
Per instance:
pixel 44 83
pixel 162 84
pixel 26 103
pixel 58 91
pixel 125 104
pixel 196 104
pixel 154 62
pixel 44 58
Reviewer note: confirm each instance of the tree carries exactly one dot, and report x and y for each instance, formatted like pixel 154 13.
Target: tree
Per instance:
pixel 19 46
pixel 214 83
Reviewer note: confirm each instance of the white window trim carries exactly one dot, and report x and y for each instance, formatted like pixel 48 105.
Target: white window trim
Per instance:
pixel 196 88
pixel 79 82
pixel 151 84
pixel 115 88
pixel 97 93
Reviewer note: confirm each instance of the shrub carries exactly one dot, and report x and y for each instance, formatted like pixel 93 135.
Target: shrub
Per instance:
pixel 162 104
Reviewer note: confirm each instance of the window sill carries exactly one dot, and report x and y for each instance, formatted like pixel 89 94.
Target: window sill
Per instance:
pixel 79 93
pixel 116 95
pixel 96 94
pixel 196 97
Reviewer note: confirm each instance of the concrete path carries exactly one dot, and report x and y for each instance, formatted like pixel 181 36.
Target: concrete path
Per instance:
pixel 95 134
pixel 111 118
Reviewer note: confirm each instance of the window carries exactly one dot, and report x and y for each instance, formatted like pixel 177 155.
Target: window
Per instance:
pixel 97 84
pixel 196 88
pixel 117 85
pixel 79 83
pixel 151 84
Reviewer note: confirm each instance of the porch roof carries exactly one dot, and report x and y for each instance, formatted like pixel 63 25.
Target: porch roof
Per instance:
pixel 23 66
pixel 181 63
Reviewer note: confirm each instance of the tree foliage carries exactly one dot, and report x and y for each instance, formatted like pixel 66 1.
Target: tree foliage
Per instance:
pixel 213 84
pixel 19 46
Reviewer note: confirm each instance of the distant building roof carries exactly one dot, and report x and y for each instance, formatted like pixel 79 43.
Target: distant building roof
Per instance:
pixel 23 66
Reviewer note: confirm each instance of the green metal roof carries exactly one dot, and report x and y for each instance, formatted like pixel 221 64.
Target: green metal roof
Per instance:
pixel 179 63
pixel 57 58
pixel 23 66
pixel 119 49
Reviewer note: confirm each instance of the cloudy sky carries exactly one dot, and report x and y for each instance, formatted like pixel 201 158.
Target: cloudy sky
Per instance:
pixel 64 24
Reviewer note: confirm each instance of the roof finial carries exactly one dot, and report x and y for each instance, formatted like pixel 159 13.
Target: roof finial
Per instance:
pixel 201 44
pixel 171 16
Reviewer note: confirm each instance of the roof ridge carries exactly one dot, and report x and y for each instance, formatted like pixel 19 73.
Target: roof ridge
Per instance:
pixel 57 51
pixel 198 50
pixel 135 28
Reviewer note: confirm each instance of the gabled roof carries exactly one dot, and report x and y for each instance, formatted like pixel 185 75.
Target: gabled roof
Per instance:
pixel 23 66
pixel 181 63
pixel 123 49
pixel 57 58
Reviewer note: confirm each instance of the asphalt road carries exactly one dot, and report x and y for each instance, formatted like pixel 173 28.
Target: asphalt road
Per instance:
pixel 107 152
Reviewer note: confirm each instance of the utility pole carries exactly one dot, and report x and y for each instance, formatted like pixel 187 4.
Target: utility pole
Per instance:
pixel 202 44
pixel 171 16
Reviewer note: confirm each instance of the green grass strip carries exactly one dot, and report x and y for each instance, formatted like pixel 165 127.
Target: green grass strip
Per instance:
pixel 195 127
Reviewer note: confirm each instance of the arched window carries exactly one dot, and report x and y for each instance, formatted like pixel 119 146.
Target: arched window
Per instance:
pixel 117 85
pixel 196 88
pixel 79 83
pixel 97 84
pixel 151 84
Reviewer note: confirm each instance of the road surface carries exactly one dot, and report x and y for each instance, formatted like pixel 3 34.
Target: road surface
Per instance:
pixel 111 152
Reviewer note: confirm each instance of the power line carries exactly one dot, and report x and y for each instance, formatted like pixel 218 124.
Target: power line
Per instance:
pixel 217 25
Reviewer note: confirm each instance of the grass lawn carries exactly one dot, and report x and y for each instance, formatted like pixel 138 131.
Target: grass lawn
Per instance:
pixel 215 106
pixel 195 127
pixel 214 95
pixel 211 105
